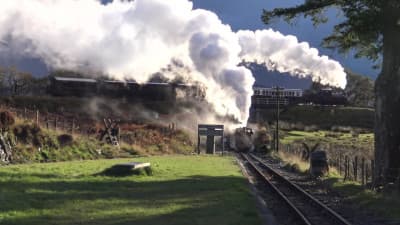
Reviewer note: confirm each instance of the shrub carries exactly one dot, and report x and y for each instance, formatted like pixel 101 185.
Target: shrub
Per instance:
pixel 6 119
pixel 65 140
pixel 29 134
pixel 33 135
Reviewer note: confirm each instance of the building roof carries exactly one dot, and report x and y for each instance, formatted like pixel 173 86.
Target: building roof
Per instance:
pixel 273 89
pixel 75 79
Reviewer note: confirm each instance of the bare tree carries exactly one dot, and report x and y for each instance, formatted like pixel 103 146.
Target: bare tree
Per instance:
pixel 18 83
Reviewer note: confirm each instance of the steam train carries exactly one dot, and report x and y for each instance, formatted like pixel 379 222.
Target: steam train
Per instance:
pixel 326 96
pixel 268 97
pixel 86 87
pixel 241 140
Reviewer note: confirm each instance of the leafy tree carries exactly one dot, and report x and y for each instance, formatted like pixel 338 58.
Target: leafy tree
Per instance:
pixel 15 82
pixel 3 88
pixel 360 90
pixel 372 29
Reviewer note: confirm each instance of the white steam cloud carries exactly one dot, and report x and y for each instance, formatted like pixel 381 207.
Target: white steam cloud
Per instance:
pixel 286 54
pixel 135 39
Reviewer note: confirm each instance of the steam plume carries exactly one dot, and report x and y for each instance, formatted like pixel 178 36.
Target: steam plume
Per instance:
pixel 286 54
pixel 135 39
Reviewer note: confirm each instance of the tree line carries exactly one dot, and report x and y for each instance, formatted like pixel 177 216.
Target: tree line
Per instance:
pixel 15 83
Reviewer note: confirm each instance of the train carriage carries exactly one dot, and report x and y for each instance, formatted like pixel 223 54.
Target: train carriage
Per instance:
pixel 68 86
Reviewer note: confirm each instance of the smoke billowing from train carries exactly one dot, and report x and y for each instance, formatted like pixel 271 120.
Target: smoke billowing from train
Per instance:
pixel 135 39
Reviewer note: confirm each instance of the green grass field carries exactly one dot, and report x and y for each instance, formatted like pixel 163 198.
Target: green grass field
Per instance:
pixel 182 190
pixel 364 141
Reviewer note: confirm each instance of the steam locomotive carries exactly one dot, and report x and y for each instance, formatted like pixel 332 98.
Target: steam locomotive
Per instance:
pixel 326 96
pixel 241 140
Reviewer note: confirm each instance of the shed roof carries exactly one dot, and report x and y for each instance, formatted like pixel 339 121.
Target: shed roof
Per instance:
pixel 75 79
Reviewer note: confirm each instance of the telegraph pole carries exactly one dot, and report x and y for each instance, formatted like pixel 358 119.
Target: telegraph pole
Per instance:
pixel 277 95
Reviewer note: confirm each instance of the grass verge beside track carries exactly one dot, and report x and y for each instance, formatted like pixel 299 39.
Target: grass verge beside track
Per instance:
pixel 385 203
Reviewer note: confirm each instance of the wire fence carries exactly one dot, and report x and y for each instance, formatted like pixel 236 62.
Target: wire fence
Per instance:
pixel 57 122
pixel 351 166
pixel 84 125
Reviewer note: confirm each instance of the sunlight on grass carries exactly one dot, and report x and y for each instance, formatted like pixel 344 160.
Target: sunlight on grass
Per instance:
pixel 292 162
pixel 327 137
pixel 182 190
pixel 364 197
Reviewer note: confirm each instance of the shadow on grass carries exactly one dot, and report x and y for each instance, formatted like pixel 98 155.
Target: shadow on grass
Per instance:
pixel 343 187
pixel 360 197
pixel 124 171
pixel 105 200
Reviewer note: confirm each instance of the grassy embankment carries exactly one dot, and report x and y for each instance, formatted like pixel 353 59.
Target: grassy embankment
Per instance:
pixel 353 191
pixel 324 117
pixel 181 190
pixel 37 144
pixel 348 139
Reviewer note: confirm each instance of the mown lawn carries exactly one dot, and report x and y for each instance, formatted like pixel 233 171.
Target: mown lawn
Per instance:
pixel 182 190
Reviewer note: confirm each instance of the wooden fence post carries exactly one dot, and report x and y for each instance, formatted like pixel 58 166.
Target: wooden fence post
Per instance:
pixel 373 170
pixel 346 174
pixel 355 167
pixel 37 117
pixel 55 123
pixel 47 121
pixel 72 126
pixel 363 171
pixel 340 164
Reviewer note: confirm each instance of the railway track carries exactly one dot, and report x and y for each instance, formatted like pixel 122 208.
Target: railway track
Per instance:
pixel 307 209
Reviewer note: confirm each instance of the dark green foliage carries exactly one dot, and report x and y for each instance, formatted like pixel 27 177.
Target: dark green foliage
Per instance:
pixel 360 31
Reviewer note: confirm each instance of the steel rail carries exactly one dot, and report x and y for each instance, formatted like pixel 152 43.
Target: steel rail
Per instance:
pixel 338 218
pixel 298 213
